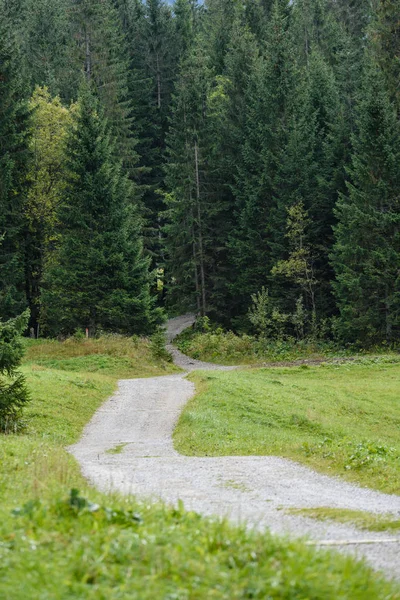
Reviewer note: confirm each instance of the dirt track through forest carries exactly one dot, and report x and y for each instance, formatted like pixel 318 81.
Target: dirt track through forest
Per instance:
pixel 253 489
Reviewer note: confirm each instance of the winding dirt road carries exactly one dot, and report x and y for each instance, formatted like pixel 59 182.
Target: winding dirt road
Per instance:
pixel 140 418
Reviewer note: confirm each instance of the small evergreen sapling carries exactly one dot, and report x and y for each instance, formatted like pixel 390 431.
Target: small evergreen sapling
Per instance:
pixel 13 392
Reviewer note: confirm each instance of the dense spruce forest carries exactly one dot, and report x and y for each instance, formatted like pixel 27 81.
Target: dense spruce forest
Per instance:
pixel 225 157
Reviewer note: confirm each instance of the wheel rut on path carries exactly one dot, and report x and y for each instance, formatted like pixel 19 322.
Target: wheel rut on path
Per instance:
pixel 255 490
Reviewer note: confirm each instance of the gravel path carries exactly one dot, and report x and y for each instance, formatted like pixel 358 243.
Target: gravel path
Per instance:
pixel 141 416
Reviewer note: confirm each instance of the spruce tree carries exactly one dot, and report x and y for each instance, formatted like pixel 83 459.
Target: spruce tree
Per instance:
pixel 185 20
pixel 226 118
pixel 13 160
pixel 366 255
pixel 101 54
pixel 13 391
pixel 97 278
pixel 257 242
pixel 187 208
pixel 385 31
pixel 153 46
pixel 311 168
pixel 47 45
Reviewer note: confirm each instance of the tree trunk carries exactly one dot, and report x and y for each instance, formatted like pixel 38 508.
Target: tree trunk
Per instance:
pixel 88 57
pixel 196 270
pixel 200 233
pixel 158 83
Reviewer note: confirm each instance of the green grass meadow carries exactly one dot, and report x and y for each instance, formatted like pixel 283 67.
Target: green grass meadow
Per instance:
pixel 58 544
pixel 361 519
pixel 338 419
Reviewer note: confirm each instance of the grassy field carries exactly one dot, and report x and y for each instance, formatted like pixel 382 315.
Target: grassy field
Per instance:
pixel 361 519
pixel 57 543
pixel 338 419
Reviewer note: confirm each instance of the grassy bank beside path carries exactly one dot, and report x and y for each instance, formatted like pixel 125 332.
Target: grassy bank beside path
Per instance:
pixel 227 348
pixel 57 543
pixel 338 419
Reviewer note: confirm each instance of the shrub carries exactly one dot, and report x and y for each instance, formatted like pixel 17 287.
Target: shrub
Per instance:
pixel 13 392
pixel 157 344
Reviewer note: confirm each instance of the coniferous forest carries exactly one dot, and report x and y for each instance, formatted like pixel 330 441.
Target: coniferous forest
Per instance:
pixel 210 157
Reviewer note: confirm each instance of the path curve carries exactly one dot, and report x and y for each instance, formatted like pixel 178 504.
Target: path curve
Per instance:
pixel 253 489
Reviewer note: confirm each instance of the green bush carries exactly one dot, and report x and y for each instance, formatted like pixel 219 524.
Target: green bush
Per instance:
pixel 228 348
pixel 157 345
pixel 13 392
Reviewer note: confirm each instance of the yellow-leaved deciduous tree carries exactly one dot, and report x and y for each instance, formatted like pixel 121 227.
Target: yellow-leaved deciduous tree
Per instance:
pixel 299 266
pixel 49 125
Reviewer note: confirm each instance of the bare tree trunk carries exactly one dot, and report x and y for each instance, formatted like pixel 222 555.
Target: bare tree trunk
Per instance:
pixel 196 270
pixel 158 82
pixel 200 232
pixel 307 44
pixel 92 321
pixel 88 57
pixel 388 318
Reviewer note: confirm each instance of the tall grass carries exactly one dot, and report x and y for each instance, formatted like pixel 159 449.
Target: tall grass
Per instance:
pixel 228 348
pixel 58 543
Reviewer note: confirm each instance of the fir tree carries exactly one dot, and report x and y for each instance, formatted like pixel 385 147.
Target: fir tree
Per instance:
pixel 386 35
pixel 186 240
pixel 13 392
pixel 186 17
pixel 13 160
pixel 153 46
pixel 47 46
pixel 257 241
pixel 101 55
pixel 226 117
pixel 98 277
pixel 311 168
pixel 366 256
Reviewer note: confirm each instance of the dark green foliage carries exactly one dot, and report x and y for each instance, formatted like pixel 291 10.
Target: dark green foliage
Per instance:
pixel 367 251
pixel 97 278
pixel 225 115
pixel 154 42
pixel 186 229
pixel 386 35
pixel 310 171
pixel 101 54
pixel 13 162
pixel 257 241
pixel 158 342
pixel 13 392
pixel 45 37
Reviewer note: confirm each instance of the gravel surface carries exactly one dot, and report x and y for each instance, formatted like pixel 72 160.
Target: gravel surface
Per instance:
pixel 252 489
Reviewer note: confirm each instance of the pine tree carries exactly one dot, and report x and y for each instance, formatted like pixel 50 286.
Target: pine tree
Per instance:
pixel 98 277
pixel 221 19
pixel 311 168
pixel 153 47
pixel 101 56
pixel 13 392
pixel 186 20
pixel 257 241
pixel 386 35
pixel 226 118
pixel 13 160
pixel 186 237
pixel 47 46
pixel 366 255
